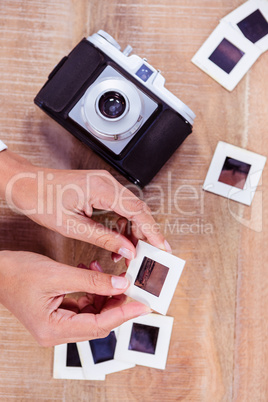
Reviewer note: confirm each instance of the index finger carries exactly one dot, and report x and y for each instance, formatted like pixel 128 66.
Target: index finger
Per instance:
pixel 143 222
pixel 113 196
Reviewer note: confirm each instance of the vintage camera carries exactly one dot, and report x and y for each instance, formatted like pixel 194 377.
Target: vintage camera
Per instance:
pixel 117 105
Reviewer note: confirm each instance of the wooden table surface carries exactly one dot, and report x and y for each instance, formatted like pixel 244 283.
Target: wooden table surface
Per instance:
pixel 219 345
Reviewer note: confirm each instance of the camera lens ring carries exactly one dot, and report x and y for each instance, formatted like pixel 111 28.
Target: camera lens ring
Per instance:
pixel 118 128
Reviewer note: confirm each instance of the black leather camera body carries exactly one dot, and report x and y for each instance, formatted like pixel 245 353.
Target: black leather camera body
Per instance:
pixel 117 105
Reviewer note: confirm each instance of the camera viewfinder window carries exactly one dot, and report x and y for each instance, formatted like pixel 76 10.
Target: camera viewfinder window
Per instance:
pixel 226 56
pixel 144 73
pixel 72 359
pixel 103 349
pixel 234 173
pixel 254 26
pixel 151 276
pixel 143 338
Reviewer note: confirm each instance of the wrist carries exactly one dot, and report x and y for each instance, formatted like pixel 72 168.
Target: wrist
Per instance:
pixel 10 165
pixel 14 170
pixel 5 256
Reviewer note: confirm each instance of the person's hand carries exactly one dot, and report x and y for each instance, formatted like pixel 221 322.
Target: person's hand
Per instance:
pixel 63 200
pixel 33 288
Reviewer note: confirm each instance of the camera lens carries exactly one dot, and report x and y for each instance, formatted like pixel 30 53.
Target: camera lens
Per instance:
pixel 112 105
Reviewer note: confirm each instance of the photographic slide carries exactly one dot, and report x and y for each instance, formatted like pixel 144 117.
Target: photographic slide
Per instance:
pixel 97 356
pixel 153 276
pixel 67 364
pixel 226 56
pixel 234 173
pixel 145 340
pixel 251 21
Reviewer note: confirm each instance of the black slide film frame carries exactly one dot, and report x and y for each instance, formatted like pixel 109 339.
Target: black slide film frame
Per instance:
pixel 151 276
pixel 234 172
pixel 143 338
pixel 254 27
pixel 226 56
pixel 72 356
pixel 103 348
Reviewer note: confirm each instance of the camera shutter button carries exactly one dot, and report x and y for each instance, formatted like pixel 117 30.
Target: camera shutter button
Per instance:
pixel 127 50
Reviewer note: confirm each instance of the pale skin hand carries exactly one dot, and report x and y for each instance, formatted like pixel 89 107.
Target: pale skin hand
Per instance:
pixel 63 200
pixel 33 289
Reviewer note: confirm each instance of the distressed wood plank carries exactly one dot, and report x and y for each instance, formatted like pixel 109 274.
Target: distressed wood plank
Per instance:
pixel 218 349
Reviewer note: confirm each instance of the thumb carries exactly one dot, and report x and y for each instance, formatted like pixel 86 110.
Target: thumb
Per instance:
pixel 65 279
pixel 73 327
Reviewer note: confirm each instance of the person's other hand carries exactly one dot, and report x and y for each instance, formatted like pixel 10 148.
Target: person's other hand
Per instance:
pixel 63 200
pixel 33 288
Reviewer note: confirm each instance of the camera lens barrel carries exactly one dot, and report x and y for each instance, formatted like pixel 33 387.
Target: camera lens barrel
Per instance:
pixel 112 105
pixel 112 109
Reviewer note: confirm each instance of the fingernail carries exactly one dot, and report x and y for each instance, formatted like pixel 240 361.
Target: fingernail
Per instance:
pixel 119 282
pixel 81 265
pixel 167 247
pixel 97 265
pixel 129 255
pixel 116 257
pixel 146 313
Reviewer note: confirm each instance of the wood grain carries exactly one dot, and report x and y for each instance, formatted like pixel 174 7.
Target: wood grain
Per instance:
pixel 219 347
